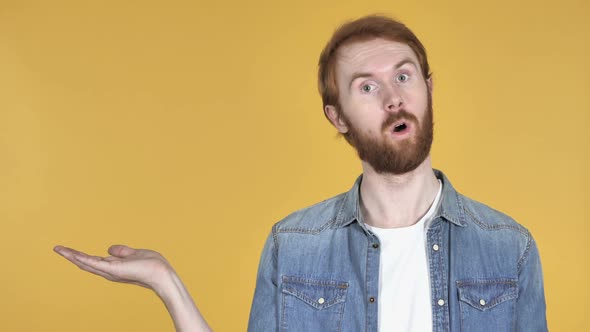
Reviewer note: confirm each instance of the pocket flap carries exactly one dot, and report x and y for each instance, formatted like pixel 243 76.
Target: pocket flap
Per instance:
pixel 319 294
pixel 484 294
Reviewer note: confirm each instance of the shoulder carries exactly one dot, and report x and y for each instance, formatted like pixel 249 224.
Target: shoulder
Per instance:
pixel 496 229
pixel 312 219
pixel 488 218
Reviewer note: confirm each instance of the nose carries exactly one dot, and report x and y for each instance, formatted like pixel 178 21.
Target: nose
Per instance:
pixel 393 100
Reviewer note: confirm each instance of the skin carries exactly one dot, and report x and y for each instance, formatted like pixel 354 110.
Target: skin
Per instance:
pixel 146 268
pixel 388 201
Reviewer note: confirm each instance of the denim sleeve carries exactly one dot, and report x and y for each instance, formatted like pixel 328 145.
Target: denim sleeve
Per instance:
pixel 530 305
pixel 264 314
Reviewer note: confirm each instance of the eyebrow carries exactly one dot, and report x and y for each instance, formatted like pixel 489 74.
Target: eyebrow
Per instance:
pixel 366 74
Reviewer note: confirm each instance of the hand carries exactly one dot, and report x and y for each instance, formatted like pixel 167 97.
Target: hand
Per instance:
pixel 146 268
pixel 142 267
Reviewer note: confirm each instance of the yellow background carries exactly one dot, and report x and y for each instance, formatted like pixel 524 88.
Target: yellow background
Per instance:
pixel 190 127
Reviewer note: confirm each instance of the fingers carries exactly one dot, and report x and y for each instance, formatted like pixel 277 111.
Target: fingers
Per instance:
pixel 120 250
pixel 81 260
pixel 95 262
pixel 68 253
pixel 90 269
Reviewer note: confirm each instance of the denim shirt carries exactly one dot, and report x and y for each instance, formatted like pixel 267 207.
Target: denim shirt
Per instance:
pixel 319 270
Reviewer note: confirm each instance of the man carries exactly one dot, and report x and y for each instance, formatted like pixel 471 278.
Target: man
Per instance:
pixel 402 250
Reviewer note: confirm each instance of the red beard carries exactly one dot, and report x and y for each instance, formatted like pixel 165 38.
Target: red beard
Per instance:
pixel 395 157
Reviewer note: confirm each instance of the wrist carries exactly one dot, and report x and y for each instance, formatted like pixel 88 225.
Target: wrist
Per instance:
pixel 167 285
pixel 180 305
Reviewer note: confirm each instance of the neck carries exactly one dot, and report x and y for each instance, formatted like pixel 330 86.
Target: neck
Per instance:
pixel 393 201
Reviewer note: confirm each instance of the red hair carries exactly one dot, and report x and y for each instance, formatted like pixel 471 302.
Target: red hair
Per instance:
pixel 363 29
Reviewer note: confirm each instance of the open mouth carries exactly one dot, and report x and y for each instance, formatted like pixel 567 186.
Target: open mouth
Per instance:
pixel 400 127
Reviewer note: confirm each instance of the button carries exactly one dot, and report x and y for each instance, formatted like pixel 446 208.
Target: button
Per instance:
pixel 482 302
pixel 375 245
pixel 371 299
pixel 441 302
pixel 321 300
pixel 435 247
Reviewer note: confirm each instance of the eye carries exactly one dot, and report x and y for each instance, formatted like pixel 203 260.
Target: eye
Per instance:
pixel 368 87
pixel 402 77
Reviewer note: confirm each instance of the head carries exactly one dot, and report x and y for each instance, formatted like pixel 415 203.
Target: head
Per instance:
pixel 376 88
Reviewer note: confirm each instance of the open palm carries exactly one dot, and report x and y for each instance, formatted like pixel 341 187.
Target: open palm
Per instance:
pixel 142 267
pixel 146 268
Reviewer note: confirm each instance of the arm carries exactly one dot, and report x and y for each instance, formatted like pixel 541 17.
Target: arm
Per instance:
pixel 181 307
pixel 148 269
pixel 530 305
pixel 264 312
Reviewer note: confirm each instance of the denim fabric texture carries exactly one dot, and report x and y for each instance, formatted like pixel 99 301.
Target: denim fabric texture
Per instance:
pixel 319 270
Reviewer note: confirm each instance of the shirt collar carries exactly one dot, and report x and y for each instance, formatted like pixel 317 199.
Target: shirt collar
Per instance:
pixel 451 207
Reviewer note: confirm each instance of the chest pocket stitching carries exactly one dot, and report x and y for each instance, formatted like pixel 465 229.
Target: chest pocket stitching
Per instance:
pixel 311 290
pixel 492 291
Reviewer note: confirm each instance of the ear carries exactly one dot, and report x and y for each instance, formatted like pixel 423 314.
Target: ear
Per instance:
pixel 335 118
pixel 430 84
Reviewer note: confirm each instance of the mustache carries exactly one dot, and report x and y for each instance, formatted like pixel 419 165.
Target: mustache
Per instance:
pixel 399 115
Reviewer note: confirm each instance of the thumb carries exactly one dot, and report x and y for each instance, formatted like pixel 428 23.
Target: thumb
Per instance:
pixel 120 250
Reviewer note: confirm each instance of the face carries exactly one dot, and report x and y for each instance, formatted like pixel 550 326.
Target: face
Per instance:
pixel 385 105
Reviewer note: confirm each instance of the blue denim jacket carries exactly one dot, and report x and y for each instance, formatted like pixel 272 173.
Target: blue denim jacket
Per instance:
pixel 319 270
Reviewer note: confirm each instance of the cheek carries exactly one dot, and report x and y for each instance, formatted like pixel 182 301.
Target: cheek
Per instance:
pixel 364 111
pixel 366 105
pixel 369 122
pixel 418 99
pixel 421 104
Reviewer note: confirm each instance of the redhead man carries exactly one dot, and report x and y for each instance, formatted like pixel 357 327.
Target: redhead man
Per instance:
pixel 402 250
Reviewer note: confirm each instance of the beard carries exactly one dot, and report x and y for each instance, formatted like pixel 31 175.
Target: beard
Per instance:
pixel 387 155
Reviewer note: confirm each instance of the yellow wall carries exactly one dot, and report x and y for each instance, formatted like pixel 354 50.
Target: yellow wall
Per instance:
pixel 191 128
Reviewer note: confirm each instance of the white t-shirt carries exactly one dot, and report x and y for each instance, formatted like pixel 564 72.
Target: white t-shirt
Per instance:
pixel 404 283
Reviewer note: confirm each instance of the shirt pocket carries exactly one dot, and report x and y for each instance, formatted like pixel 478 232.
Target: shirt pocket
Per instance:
pixel 487 304
pixel 311 304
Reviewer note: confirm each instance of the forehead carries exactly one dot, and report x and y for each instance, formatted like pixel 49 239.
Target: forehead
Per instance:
pixel 372 55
